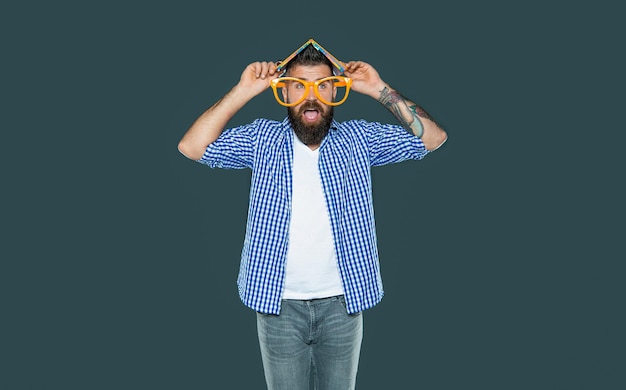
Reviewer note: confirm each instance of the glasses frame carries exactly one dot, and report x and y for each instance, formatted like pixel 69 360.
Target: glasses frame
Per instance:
pixel 280 83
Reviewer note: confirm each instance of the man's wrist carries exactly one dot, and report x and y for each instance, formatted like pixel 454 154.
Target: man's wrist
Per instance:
pixel 379 90
pixel 239 96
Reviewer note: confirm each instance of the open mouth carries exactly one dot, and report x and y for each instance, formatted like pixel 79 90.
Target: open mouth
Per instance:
pixel 311 115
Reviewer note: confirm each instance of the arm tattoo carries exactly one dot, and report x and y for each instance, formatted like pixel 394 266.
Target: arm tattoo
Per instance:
pixel 407 112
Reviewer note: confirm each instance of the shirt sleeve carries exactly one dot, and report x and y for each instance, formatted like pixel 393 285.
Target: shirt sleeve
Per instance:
pixel 390 144
pixel 233 149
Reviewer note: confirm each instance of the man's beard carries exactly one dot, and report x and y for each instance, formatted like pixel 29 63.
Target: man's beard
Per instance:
pixel 311 134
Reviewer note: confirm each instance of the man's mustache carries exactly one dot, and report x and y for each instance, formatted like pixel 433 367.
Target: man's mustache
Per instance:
pixel 311 106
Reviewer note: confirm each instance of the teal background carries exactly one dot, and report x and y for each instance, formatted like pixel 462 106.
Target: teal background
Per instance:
pixel 501 253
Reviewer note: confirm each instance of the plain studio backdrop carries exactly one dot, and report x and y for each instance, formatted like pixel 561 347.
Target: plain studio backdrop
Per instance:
pixel 500 253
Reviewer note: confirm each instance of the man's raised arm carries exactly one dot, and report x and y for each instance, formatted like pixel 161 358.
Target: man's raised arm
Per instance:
pixel 208 127
pixel 365 79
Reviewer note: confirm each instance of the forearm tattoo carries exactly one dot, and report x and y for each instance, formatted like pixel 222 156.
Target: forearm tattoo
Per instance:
pixel 407 112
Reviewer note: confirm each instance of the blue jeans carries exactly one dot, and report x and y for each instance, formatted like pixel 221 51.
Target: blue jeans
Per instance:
pixel 314 341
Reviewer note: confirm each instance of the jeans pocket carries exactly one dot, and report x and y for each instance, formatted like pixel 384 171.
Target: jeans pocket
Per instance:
pixel 342 300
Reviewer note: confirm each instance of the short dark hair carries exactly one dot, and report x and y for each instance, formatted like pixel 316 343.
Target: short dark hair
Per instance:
pixel 309 56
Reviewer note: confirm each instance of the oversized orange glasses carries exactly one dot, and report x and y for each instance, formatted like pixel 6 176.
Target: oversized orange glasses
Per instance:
pixel 331 91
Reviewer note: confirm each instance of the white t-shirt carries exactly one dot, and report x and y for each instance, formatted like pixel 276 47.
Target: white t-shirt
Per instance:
pixel 311 268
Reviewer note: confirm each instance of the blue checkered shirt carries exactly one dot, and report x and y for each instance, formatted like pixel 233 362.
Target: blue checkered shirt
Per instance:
pixel 345 157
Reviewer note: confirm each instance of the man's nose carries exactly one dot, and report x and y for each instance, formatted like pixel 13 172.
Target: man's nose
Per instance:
pixel 310 94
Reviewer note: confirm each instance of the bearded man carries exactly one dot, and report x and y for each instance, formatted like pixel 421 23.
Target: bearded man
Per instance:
pixel 309 264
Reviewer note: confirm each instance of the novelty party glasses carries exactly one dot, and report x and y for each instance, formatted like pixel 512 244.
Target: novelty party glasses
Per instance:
pixel 331 91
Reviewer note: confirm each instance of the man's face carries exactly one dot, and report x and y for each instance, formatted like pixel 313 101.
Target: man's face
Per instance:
pixel 311 118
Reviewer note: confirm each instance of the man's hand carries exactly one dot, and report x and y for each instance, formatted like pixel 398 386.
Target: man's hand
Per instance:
pixel 257 76
pixel 365 78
